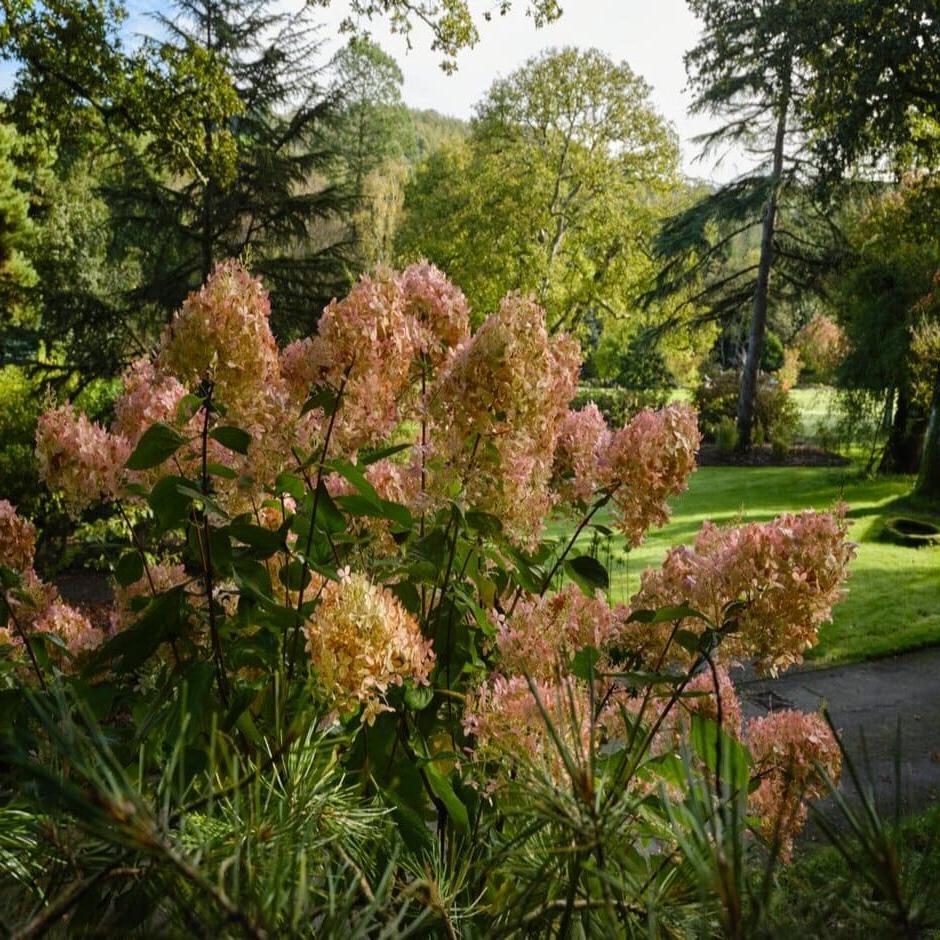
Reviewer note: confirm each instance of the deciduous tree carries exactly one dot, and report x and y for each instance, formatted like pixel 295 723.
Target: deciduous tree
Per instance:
pixel 556 193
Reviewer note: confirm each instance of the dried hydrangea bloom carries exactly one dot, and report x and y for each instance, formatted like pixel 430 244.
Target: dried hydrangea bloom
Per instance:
pixel 17 538
pixel 78 458
pixel 148 396
pixel 71 626
pixel 439 308
pixel 273 512
pixel 497 409
pixel 787 574
pixel 366 344
pixel 222 333
pixel 509 729
pixel 361 642
pixel 162 577
pixel 544 632
pixel 787 749
pixel 646 463
pixel 583 438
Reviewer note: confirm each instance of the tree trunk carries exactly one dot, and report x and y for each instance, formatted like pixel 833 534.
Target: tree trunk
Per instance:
pixel 207 194
pixel 755 345
pixel 889 410
pixel 928 479
pixel 905 440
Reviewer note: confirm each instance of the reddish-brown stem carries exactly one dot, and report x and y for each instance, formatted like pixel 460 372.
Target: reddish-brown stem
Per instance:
pixel 207 555
pixel 29 649
pixel 305 569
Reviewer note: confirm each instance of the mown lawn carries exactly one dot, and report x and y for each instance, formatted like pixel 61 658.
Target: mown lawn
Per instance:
pixel 817 406
pixel 893 600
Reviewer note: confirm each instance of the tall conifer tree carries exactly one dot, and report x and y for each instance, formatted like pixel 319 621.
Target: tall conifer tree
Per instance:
pixel 746 72
pixel 260 181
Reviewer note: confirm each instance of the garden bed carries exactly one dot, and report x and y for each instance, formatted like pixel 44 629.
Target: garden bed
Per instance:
pixel 801 455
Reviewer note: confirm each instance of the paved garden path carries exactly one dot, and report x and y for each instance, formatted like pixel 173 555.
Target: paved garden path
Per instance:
pixel 871 698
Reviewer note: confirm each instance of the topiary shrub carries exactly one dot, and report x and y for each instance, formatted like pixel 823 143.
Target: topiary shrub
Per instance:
pixel 776 416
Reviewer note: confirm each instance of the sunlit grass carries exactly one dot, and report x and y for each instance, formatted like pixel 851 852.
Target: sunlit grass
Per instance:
pixel 817 409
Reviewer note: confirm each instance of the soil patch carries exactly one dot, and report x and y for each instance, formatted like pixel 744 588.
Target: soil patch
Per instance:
pixel 88 591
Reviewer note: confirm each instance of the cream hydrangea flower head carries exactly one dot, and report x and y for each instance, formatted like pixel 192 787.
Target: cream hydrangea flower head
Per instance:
pixel 362 642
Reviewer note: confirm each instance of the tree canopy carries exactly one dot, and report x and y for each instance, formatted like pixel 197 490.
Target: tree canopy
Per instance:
pixel 874 89
pixel 555 193
pixel 746 71
pixel 452 23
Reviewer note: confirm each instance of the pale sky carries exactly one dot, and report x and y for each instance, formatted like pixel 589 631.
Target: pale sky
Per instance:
pixel 650 35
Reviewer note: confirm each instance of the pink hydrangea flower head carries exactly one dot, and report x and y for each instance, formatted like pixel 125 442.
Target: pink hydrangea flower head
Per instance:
pixel 148 396
pixel 793 754
pixel 646 463
pixel 786 575
pixel 583 438
pixel 439 308
pixel 544 632
pixel 497 409
pixel 71 626
pixel 361 642
pixel 38 608
pixel 79 458
pixel 302 364
pixel 509 729
pixel 365 345
pixel 17 538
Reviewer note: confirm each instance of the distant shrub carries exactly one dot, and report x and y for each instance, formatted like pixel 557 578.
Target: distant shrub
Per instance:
pixel 822 346
pixel 726 435
pixel 19 410
pixel 775 413
pixel 773 356
pixel 789 373
pixel 780 444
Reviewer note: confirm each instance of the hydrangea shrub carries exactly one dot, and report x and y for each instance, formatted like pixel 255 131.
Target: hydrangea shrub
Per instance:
pixel 350 533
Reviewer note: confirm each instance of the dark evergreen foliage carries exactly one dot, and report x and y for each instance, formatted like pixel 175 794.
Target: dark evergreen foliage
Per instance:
pixel 275 200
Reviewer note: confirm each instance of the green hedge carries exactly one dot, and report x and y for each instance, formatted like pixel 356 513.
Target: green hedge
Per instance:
pixel 618 405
